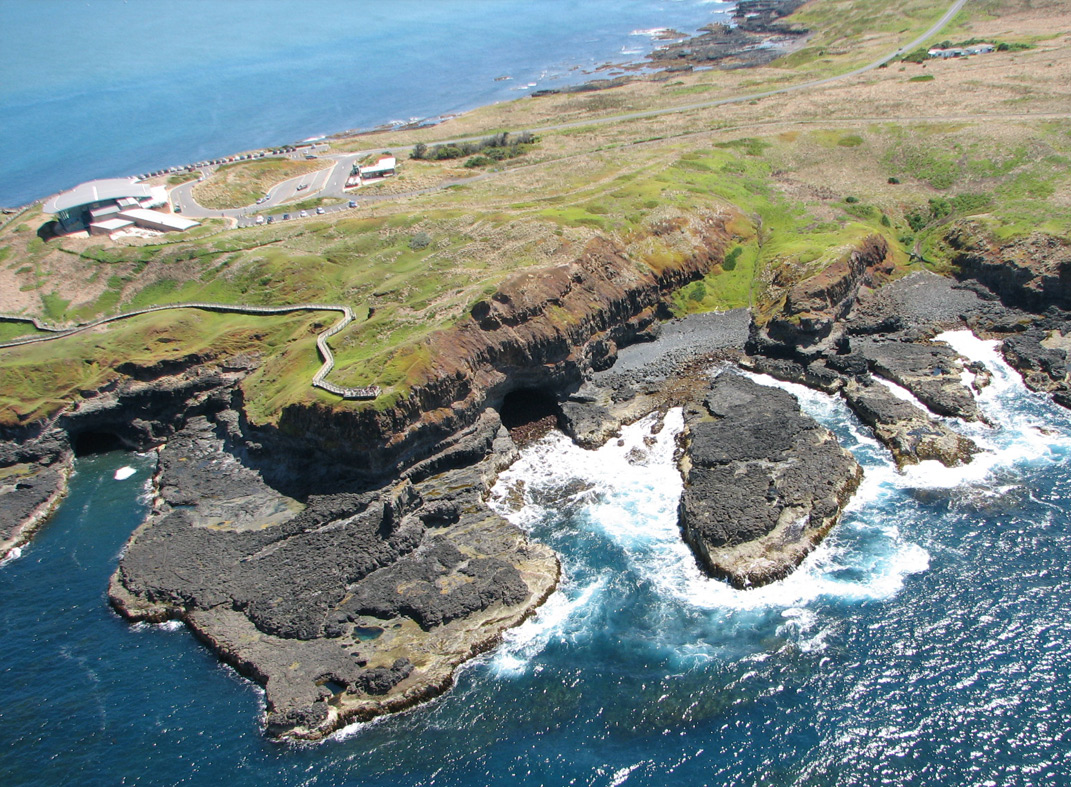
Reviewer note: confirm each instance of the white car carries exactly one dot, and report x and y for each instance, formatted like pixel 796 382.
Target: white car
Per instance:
pixel 260 219
pixel 320 210
pixel 303 214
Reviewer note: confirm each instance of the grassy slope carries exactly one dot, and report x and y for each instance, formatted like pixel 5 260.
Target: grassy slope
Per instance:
pixel 244 182
pixel 809 174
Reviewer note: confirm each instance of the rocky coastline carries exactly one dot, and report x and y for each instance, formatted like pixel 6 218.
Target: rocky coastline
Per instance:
pixel 346 559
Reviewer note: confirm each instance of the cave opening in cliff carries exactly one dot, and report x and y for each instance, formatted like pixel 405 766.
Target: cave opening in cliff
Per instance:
pixel 87 443
pixel 529 413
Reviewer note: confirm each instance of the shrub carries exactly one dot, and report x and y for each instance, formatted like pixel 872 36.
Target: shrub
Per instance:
pixel 420 241
pixel 851 200
pixel 730 259
pixel 894 181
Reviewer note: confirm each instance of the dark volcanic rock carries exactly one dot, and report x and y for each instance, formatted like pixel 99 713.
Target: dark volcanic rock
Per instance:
pixel 1032 273
pixel 764 483
pixel 283 588
pixel 748 42
pixel 931 371
pixel 911 434
pixel 29 492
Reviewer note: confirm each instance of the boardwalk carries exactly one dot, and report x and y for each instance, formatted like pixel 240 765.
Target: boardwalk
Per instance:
pixel 318 379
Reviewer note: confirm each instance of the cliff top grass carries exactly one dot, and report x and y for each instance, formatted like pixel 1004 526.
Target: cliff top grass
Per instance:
pixel 809 174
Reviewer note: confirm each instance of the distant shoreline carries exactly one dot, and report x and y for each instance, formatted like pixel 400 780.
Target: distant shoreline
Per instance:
pixel 685 54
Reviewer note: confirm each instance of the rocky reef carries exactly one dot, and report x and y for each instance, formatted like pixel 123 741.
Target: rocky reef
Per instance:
pixel 344 606
pixel 757 36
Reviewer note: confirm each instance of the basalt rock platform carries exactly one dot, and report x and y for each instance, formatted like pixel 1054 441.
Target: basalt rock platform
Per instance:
pixel 343 606
pixel 763 482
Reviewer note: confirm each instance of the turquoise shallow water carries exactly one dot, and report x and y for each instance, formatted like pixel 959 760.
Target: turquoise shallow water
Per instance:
pixel 927 642
pixel 106 88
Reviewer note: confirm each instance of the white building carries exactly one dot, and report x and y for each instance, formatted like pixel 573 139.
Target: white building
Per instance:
pixel 102 200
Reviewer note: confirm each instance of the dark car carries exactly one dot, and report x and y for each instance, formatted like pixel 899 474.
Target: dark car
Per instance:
pixel 286 217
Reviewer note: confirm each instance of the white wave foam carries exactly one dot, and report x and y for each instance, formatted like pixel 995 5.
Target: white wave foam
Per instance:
pixel 621 775
pixel 124 473
pixel 11 556
pixel 563 611
pixel 629 489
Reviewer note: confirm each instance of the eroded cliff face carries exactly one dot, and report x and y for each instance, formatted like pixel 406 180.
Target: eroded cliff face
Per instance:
pixel 542 329
pixel 346 560
pixel 1031 277
pixel 1032 273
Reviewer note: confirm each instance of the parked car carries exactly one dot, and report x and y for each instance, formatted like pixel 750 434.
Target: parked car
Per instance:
pixel 286 217
pixel 303 186
pixel 353 203
pixel 303 214
pixel 260 220
pixel 320 209
pixel 270 219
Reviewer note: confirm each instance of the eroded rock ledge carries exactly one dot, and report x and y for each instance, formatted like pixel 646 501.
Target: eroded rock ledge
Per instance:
pixel 343 606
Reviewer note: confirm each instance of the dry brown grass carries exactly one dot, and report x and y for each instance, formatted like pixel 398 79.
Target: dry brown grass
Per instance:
pixel 243 183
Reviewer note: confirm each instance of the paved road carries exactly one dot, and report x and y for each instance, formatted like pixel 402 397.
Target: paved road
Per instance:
pixel 331 183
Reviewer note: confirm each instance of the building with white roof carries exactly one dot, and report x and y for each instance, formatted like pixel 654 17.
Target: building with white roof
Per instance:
pixel 83 205
pixel 387 165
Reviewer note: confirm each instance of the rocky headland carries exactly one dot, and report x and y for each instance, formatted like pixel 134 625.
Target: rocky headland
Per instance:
pixel 344 557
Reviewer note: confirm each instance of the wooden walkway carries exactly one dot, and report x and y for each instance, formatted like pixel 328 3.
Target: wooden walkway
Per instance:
pixel 318 379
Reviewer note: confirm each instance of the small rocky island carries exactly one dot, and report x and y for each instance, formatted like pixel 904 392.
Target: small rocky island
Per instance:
pixel 763 483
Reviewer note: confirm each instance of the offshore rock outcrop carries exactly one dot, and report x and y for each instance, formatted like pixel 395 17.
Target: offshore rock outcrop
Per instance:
pixel 763 483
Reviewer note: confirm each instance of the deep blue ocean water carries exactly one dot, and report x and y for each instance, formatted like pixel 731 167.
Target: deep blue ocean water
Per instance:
pixel 926 642
pixel 107 88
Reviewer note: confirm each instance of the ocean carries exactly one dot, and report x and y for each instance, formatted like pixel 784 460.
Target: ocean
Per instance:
pixel 109 88
pixel 927 641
